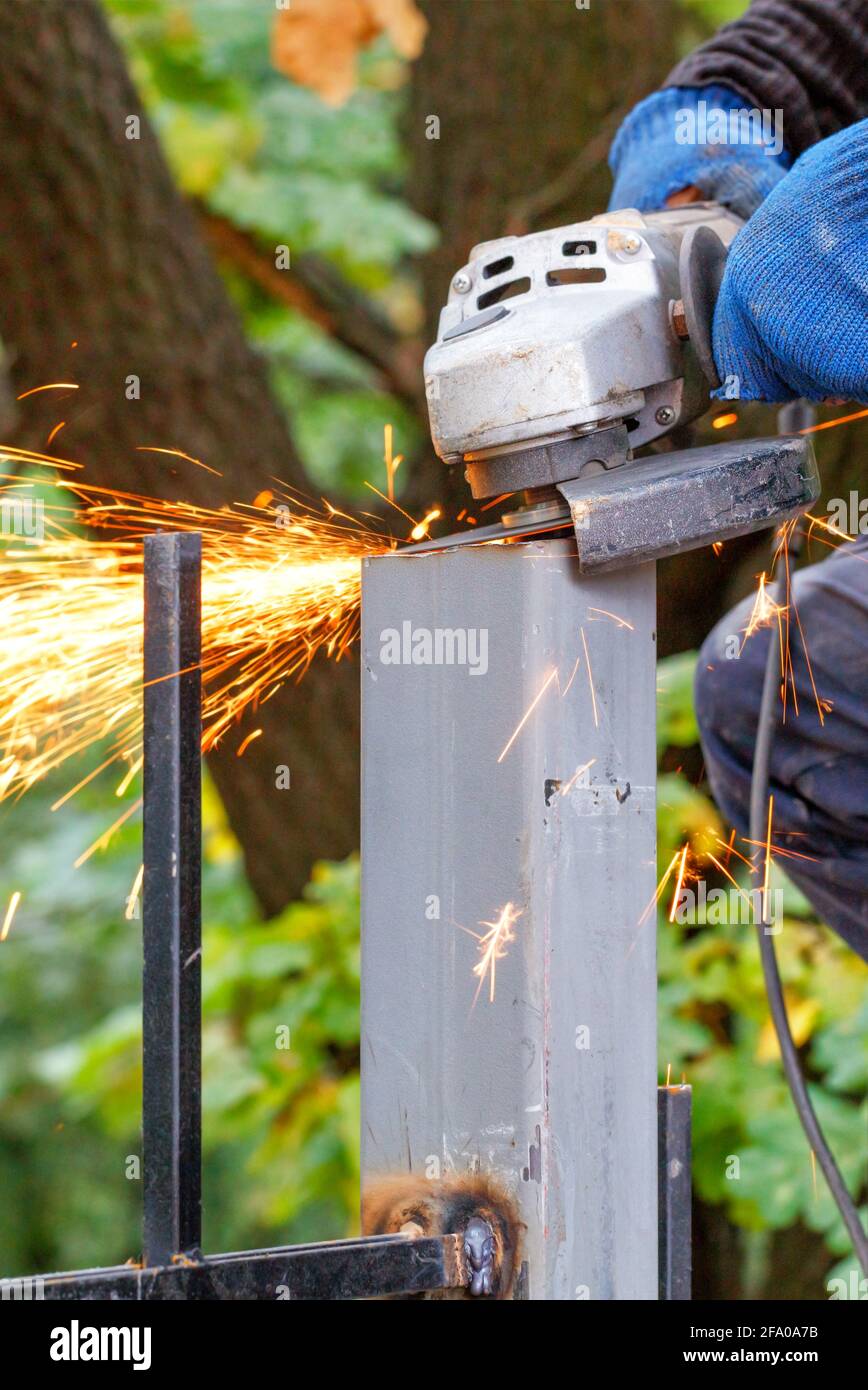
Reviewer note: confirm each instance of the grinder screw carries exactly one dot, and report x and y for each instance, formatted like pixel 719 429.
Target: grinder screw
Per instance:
pixel 665 415
pixel 462 282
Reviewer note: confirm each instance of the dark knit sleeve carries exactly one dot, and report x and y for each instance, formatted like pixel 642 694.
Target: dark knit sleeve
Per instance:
pixel 807 58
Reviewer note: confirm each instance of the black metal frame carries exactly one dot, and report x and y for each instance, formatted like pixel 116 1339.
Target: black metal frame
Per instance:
pixel 172 899
pixel 173 1265
pixel 674 1228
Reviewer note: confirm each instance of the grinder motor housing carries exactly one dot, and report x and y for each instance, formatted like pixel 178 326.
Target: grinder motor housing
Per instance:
pixel 561 353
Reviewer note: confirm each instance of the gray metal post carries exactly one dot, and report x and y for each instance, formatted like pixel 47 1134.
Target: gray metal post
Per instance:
pixel 550 1086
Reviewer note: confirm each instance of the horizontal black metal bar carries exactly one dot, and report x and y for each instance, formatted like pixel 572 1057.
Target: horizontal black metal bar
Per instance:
pixel 674 1193
pixel 368 1267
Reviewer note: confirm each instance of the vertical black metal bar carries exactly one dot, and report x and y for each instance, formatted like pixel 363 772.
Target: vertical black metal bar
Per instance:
pixel 674 1192
pixel 171 897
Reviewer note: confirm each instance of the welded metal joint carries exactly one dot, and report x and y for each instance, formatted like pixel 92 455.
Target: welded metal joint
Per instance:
pixel 479 1254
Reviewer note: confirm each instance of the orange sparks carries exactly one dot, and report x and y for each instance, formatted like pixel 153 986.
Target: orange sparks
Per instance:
pixel 718 865
pixel 392 464
pixel 788 680
pixel 71 609
pixel 420 530
pixel 103 840
pixel 493 947
pixel 54 433
pixel 263 498
pixel 247 742
pixel 768 860
pixel 52 386
pixel 717 547
pixel 391 502
pixel 568 786
pixel 729 846
pixel 784 853
pixel 622 622
pixel 132 908
pixel 830 424
pixel 822 705
pixel 132 770
pixel 590 678
pixel 566 689
pixel 31 456
pixel 10 913
pixel 178 454
pixel 688 861
pixel 552 675
pixel 765 610
pixel 677 894
pixel 660 889
pixel 721 422
pixel 387 459
pixel 822 523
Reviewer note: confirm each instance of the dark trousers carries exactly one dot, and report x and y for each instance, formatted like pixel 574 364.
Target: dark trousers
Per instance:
pixel 819 771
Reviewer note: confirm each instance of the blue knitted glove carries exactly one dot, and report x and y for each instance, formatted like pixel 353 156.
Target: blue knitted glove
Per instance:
pixel 702 136
pixel 792 315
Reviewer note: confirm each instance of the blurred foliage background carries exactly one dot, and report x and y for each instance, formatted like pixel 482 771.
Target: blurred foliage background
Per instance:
pixel 272 159
pixel 275 162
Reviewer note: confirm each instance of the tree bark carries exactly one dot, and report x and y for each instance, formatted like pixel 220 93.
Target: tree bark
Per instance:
pixel 99 248
pixel 521 88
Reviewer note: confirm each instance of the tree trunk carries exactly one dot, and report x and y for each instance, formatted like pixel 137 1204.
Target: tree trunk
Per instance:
pixel 522 89
pixel 99 248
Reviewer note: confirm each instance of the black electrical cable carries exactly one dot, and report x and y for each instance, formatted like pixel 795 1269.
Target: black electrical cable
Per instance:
pixel 759 800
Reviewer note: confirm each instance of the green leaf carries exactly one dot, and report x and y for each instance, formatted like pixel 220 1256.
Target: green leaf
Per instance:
pixel 676 720
pixel 343 218
pixel 841 1051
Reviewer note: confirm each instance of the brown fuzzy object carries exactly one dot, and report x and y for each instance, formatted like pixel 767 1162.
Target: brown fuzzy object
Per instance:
pixel 444 1206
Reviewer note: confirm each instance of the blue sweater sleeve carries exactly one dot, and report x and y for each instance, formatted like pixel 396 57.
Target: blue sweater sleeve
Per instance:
pixel 705 136
pixel 792 315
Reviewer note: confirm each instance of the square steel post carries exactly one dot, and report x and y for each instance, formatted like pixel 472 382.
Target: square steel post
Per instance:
pixel 674 1192
pixel 551 1084
pixel 171 898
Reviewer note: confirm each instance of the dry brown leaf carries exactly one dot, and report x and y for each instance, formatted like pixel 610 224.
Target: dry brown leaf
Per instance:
pixel 317 42
pixel 403 22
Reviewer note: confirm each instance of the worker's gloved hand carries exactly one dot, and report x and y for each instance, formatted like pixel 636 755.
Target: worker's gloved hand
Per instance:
pixel 700 137
pixel 793 307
